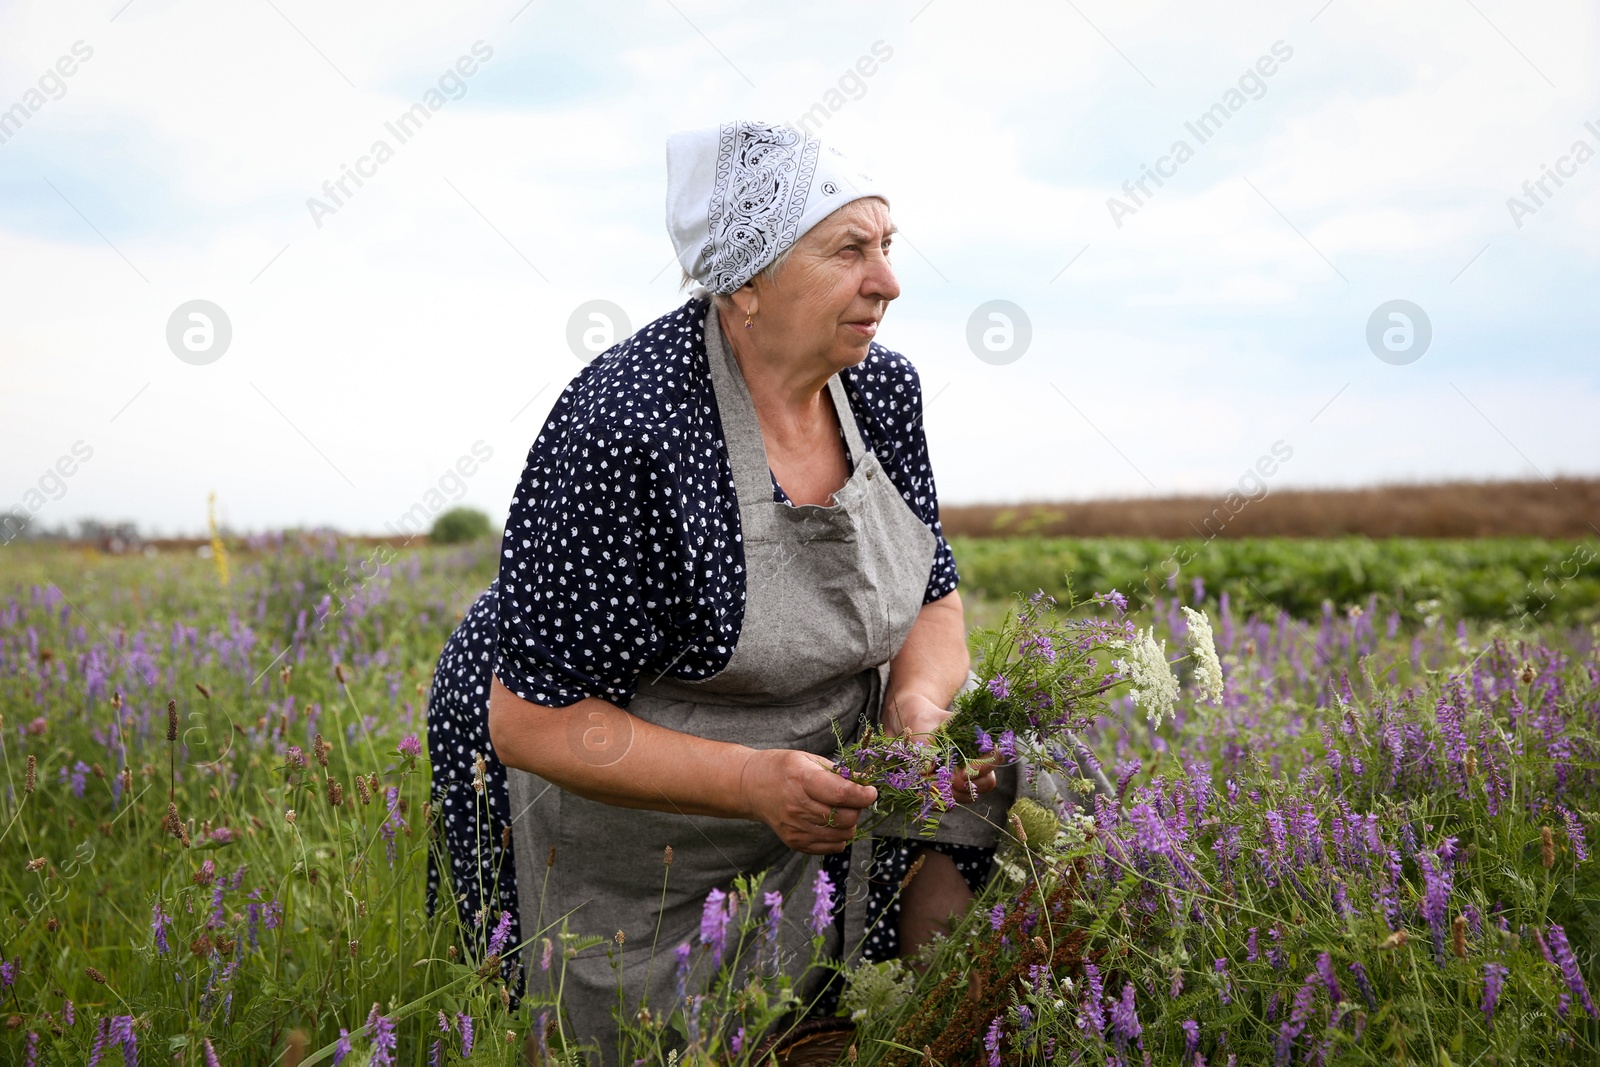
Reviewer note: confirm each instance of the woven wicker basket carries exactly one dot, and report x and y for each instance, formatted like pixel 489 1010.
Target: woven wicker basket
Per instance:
pixel 812 1043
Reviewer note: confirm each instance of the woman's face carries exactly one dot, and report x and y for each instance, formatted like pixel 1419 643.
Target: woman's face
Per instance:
pixel 830 295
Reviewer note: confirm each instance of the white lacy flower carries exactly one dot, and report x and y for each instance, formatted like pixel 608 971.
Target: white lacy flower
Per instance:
pixel 1203 648
pixel 1155 687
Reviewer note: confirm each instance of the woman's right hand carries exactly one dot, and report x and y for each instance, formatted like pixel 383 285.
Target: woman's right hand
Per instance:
pixel 792 791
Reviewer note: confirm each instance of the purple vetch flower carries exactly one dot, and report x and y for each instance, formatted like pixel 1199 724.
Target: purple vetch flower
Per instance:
pixel 1494 980
pixel 1364 984
pixel 549 949
pixel 464 1022
pixel 1580 851
pixel 502 931
pixel 985 742
pixel 774 905
pixel 1124 1018
pixel 1092 1013
pixel 219 916
pixel 1226 993
pixel 1275 954
pixel 1564 959
pixel 1114 599
pixel 209 1053
pixel 68 1014
pixel 1435 900
pixel 539 1028
pixel 393 823
pixel 1341 902
pixel 8 974
pixel 341 1048
pixel 1008 746
pixel 159 921
pixel 102 1033
pixel 31 1057
pixel 383 1038
pixel 714 919
pixel 991 1041
pixel 1125 773
pixel 736 1043
pixel 1039 641
pixel 1191 1037
pixel 999 687
pixel 682 954
pixel 1329 979
pixel 119 1031
pixel 997 915
pixel 1544 949
pixel 78 776
pixel 1295 1024
pixel 436 1054
pixel 1252 946
pixel 822 910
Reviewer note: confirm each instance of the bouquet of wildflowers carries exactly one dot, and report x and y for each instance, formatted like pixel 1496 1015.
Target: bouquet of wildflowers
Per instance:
pixel 1043 674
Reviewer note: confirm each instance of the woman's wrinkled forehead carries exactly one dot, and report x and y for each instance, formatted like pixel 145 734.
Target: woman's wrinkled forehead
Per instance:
pixel 863 221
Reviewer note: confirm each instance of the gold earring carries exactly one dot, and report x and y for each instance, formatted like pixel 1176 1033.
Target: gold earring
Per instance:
pixel 747 323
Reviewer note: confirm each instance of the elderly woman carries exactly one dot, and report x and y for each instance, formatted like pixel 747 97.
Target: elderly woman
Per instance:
pixel 724 554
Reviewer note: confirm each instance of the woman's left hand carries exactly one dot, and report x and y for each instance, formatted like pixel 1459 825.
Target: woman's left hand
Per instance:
pixel 921 716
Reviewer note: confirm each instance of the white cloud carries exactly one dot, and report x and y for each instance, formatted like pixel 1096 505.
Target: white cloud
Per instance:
pixel 409 326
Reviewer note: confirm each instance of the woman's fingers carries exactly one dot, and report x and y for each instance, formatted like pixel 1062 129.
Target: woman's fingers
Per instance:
pixel 830 790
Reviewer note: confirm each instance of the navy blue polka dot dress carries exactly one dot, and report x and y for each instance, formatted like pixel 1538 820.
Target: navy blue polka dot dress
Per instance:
pixel 621 556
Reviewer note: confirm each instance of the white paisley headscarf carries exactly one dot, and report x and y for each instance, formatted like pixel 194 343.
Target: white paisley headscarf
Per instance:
pixel 740 193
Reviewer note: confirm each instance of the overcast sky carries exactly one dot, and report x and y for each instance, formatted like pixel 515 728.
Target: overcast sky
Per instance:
pixel 1356 153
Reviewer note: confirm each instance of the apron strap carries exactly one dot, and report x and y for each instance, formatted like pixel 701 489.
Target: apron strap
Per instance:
pixel 747 450
pixel 847 420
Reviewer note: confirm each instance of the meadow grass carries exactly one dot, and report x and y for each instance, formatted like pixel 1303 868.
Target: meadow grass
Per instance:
pixel 1409 794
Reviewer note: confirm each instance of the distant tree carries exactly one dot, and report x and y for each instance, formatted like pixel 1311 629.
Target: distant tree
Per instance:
pixel 459 525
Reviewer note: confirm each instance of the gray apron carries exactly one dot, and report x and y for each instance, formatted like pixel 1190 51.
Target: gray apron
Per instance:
pixel 830 595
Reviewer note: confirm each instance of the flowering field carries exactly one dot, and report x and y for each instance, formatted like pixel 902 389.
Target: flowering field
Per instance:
pixel 214 828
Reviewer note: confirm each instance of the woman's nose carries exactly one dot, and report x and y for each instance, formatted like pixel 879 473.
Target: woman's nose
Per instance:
pixel 880 282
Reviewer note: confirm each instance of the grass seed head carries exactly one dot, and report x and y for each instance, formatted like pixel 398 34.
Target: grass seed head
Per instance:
pixel 172 720
pixel 95 975
pixel 1547 848
pixel 335 792
pixel 363 791
pixel 911 872
pixel 1458 940
pixel 30 779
